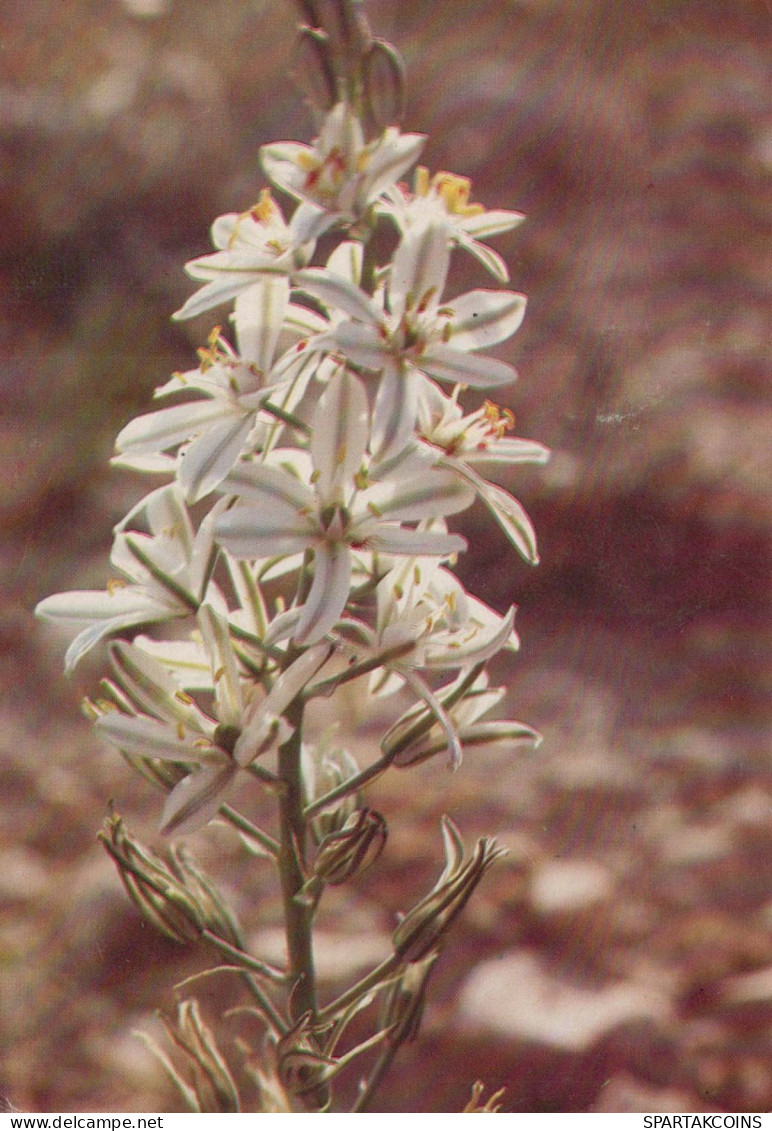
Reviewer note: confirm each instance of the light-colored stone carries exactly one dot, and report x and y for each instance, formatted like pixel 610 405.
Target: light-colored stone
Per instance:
pixel 515 996
pixel 569 885
pixel 337 956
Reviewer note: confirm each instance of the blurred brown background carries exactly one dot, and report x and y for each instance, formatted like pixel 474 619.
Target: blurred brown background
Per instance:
pixel 619 958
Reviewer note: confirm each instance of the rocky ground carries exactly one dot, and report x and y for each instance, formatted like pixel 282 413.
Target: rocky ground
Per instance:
pixel 620 957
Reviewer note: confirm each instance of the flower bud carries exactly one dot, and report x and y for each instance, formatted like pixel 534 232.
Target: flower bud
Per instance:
pixel 325 767
pixel 405 1003
pixel 423 926
pixel 355 847
pixel 213 1085
pixel 302 1068
pixel 178 899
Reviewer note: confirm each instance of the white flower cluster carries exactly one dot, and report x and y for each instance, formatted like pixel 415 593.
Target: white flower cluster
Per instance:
pixel 318 448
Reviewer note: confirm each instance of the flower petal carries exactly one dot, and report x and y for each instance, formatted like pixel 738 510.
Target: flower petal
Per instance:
pixel 390 157
pixel 508 512
pixel 483 318
pixel 491 223
pixel 225 673
pixel 269 486
pixel 395 412
pixel 138 734
pixel 490 259
pixel 358 343
pixel 329 592
pixel 197 799
pixel 225 285
pixel 258 316
pixel 339 437
pixel 400 540
pixel 421 491
pixel 509 450
pixel 248 531
pixel 207 461
pixel 337 293
pixel 156 431
pixel 419 268
pixel 153 689
pixel 445 363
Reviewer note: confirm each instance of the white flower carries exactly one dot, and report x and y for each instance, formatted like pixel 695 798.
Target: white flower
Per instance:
pixel 445 198
pixel 167 570
pixel 251 245
pixel 235 386
pixel 340 172
pixel 416 736
pixel 244 726
pixel 339 510
pixel 424 603
pixel 480 437
pixel 406 333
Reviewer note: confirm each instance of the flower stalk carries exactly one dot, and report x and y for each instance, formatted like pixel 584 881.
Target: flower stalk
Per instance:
pixel 303 541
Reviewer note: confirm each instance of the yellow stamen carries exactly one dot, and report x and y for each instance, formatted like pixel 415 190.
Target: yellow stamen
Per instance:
pixel 265 209
pixel 455 191
pixel 115 583
pixel 500 420
pixel 421 181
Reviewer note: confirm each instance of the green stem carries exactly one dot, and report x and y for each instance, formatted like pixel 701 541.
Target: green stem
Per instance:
pixel 243 959
pixel 350 785
pixel 241 823
pixel 326 687
pixel 286 417
pixel 381 1067
pixel 265 1004
pixel 369 262
pixel 298 915
pixel 327 1015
